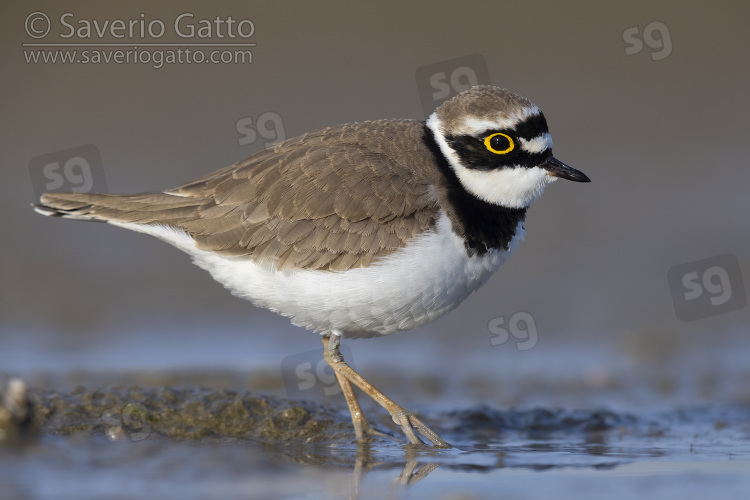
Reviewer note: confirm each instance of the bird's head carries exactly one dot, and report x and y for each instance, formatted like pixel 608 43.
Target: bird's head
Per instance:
pixel 499 146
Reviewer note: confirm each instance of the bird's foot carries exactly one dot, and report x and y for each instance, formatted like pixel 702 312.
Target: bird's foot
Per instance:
pixel 409 424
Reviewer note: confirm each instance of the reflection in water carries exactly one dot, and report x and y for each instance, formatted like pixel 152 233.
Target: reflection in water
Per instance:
pixel 411 473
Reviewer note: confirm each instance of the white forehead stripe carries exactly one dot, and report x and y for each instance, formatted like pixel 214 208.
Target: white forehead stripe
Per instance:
pixel 537 144
pixel 473 125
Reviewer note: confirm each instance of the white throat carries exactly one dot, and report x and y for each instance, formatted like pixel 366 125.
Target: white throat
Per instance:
pixel 510 187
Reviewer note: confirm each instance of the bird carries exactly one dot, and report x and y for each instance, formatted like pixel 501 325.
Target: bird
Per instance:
pixel 358 230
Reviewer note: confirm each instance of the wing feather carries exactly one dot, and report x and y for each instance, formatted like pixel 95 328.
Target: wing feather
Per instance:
pixel 331 200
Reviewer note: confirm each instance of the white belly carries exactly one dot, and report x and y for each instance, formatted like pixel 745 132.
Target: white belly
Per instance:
pixel 409 288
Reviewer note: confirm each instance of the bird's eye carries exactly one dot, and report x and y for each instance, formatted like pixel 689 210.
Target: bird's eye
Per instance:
pixel 499 143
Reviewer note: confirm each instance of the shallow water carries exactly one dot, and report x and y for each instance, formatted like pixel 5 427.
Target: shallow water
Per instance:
pixel 162 442
pixel 575 418
pixel 685 455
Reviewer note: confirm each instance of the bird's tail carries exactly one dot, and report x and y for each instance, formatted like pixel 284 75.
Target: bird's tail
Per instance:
pixel 147 208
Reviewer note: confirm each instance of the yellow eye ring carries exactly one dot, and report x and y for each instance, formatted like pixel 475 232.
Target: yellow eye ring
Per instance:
pixel 487 143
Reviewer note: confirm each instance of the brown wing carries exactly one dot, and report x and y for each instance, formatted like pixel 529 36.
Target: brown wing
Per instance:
pixel 331 200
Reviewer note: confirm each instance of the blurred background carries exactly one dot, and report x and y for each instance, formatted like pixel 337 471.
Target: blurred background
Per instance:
pixel 633 285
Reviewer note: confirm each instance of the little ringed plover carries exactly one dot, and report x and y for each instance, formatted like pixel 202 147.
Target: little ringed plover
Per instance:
pixel 358 230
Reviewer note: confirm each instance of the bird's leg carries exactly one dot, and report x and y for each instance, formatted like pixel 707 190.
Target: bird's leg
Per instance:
pixel 403 418
pixel 361 427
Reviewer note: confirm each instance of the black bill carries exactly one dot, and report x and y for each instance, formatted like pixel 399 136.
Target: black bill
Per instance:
pixel 556 168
